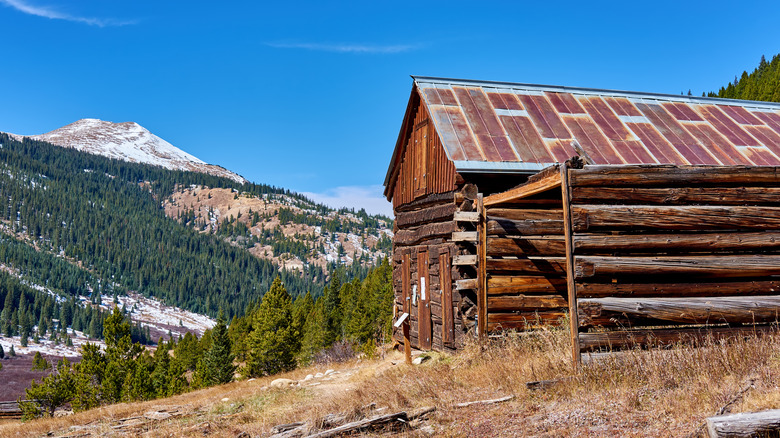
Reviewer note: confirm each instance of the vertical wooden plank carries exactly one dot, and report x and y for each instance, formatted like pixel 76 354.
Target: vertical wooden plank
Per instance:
pixel 481 270
pixel 407 306
pixel 424 301
pixel 448 323
pixel 572 292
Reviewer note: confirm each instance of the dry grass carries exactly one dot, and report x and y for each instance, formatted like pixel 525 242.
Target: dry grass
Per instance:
pixel 637 393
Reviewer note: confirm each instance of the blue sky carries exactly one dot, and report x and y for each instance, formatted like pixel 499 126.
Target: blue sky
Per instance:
pixel 309 95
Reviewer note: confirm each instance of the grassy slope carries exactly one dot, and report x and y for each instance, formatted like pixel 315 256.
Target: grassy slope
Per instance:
pixel 657 393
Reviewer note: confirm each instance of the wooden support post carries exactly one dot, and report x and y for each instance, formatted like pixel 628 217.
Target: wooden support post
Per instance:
pixel 407 306
pixel 574 324
pixel 407 343
pixel 482 271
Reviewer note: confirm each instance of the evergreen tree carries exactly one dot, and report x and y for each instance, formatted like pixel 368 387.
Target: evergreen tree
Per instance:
pixel 274 343
pixel 39 363
pixel 11 352
pixel 54 391
pixel 218 367
pixel 2 352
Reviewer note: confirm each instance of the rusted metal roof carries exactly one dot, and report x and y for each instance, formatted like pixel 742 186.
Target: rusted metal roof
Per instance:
pixel 508 127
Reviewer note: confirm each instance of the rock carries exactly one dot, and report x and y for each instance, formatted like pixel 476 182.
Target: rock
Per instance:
pixel 308 377
pixel 329 372
pixel 282 383
pixel 427 430
pixel 319 375
pixel 62 413
pixel 251 380
pixel 225 399
pixel 420 359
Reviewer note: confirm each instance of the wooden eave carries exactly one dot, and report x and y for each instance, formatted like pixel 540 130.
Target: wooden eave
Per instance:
pixel 548 179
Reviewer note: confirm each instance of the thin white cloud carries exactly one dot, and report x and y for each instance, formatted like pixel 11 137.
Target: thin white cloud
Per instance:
pixel 47 12
pixel 347 48
pixel 357 197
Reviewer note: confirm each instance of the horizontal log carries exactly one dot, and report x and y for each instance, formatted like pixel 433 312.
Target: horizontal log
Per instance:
pixel 620 339
pixel 522 214
pixel 464 260
pixel 466 216
pixel 662 175
pixel 525 284
pixel 719 288
pixel 764 241
pixel 745 424
pixel 528 246
pixel 467 284
pixel 588 217
pixel 711 266
pixel 525 302
pixel 524 227
pixel 687 310
pixel 523 320
pixel 424 232
pixel 436 213
pixel 464 236
pixel 427 201
pixel 550 181
pixel 536 266
pixel 676 195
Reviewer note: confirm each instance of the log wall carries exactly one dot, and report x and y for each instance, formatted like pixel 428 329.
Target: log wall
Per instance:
pixel 661 252
pixel 433 278
pixel 525 259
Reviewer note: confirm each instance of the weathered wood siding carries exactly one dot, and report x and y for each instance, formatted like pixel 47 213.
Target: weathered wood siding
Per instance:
pixel 424 168
pixel 525 262
pixel 662 251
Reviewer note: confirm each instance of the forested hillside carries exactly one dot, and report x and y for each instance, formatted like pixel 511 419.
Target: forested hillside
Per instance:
pixel 81 224
pixel 762 84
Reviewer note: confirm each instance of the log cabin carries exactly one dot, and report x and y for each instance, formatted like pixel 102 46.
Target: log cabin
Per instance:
pixel 633 217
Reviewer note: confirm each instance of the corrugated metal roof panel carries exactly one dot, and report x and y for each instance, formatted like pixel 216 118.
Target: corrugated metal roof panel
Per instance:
pixel 509 127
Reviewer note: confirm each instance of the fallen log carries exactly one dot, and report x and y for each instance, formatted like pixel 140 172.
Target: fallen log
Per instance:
pixel 485 402
pixel 746 424
pixel 356 426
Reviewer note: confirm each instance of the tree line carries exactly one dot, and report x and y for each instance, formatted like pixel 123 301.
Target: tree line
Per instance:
pixel 762 84
pixel 276 333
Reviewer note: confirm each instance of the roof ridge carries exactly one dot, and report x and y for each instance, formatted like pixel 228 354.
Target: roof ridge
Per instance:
pixel 595 91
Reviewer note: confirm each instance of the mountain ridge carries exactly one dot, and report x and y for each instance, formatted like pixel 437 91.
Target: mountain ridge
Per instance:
pixel 128 141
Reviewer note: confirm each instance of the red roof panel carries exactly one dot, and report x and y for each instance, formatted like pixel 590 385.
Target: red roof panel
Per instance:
pixel 506 123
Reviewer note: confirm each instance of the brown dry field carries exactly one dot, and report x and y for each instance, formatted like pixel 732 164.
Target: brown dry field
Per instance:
pixel 656 393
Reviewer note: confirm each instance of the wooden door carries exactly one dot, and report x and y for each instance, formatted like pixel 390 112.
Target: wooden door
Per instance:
pixel 448 324
pixel 424 303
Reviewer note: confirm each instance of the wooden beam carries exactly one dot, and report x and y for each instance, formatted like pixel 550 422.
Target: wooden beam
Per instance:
pixel 527 246
pixel 524 227
pixel 745 424
pixel 732 266
pixel 687 310
pixel 523 284
pixel 623 338
pixel 464 236
pixel 502 303
pixel 693 217
pixel 718 288
pixel 482 304
pixel 670 175
pixel 542 185
pixel 530 266
pixel 677 195
pixel 466 216
pixel 610 243
pixel 574 324
pixel 464 260
pixel 467 284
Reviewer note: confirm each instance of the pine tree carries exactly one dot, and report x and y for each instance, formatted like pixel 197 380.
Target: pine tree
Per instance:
pixel 11 352
pixel 2 352
pixel 55 390
pixel 39 363
pixel 218 367
pixel 274 342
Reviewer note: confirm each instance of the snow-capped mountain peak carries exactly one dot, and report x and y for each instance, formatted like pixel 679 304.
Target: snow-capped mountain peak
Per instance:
pixel 131 142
